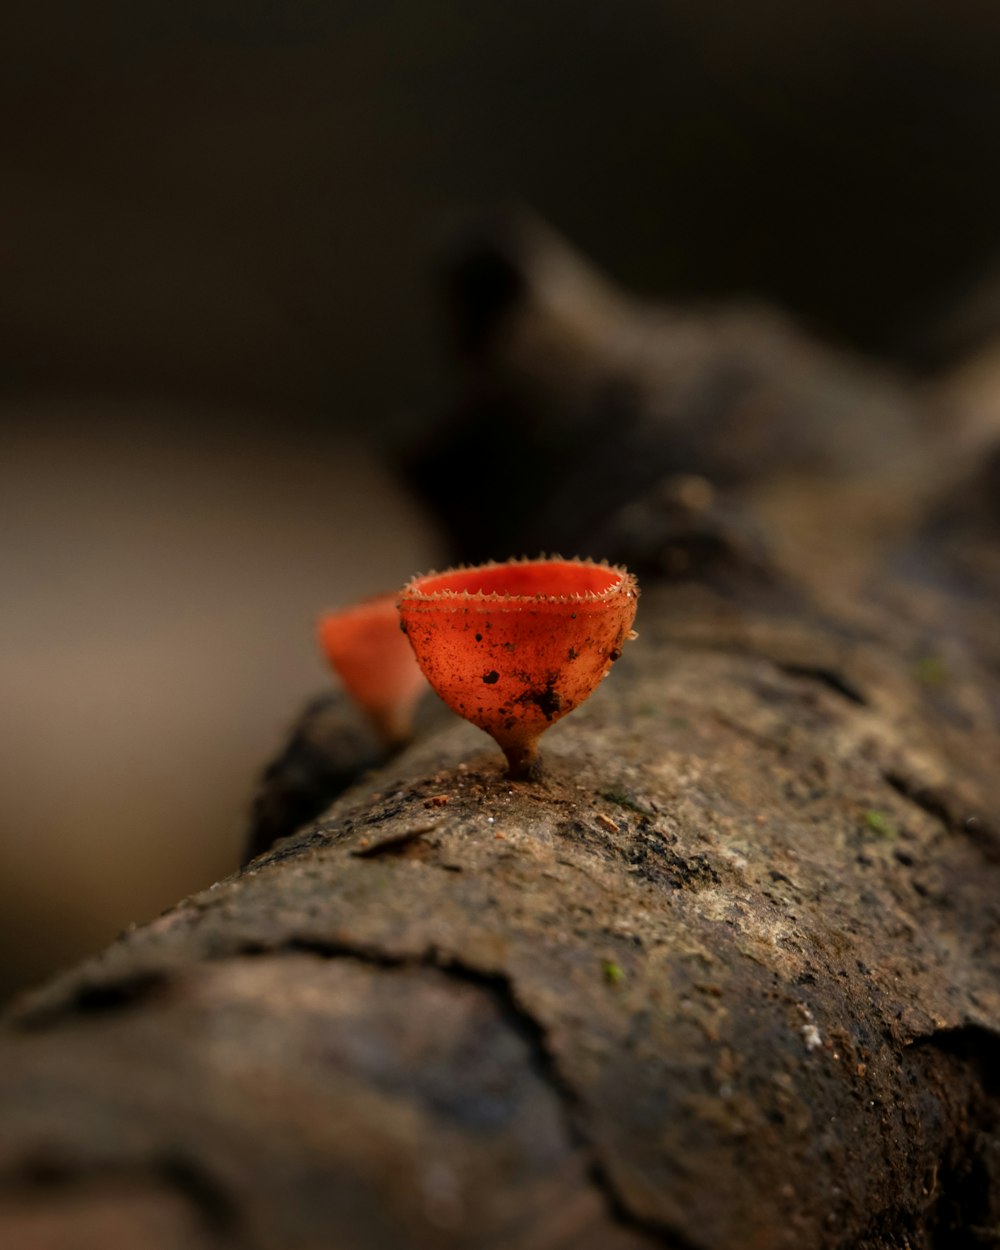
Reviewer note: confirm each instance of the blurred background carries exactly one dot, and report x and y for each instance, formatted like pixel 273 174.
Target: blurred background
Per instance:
pixel 218 307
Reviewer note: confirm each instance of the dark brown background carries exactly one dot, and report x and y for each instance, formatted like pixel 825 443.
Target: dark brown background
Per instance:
pixel 216 230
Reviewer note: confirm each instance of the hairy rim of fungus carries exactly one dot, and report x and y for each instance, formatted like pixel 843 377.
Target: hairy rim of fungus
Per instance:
pixel 514 646
pixel 371 657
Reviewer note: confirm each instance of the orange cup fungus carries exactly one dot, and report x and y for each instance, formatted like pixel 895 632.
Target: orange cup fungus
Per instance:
pixel 513 647
pixel 374 661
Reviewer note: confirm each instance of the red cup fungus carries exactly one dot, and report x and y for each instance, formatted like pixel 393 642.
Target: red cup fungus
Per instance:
pixel 513 647
pixel 365 648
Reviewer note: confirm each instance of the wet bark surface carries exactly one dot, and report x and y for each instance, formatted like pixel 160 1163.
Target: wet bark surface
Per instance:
pixel 726 976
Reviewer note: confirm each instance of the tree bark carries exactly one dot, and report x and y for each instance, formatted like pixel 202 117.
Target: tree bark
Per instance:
pixel 726 977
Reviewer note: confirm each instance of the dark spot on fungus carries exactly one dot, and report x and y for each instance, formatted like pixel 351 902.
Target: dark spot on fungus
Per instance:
pixel 548 700
pixel 571 653
pixel 614 654
pixel 479 638
pixel 492 678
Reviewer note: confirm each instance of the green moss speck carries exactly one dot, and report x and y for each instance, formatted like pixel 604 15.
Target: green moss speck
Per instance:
pixel 613 973
pixel 881 824
pixel 931 670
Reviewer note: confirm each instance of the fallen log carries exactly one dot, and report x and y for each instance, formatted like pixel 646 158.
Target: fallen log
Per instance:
pixel 727 976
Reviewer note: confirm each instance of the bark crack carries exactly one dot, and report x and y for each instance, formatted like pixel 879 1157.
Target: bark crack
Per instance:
pixel 499 987
pixel 139 986
pixel 174 1171
pixel 944 808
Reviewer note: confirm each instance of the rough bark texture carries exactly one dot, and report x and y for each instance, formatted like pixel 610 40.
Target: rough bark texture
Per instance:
pixel 727 977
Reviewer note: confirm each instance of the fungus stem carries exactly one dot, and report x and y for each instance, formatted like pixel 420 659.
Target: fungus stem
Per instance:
pixel 523 761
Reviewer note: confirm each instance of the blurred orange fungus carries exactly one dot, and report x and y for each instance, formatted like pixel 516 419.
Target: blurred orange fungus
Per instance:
pixel 371 656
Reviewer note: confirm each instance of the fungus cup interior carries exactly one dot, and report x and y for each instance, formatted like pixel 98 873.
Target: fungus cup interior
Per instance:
pixel 367 650
pixel 514 647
